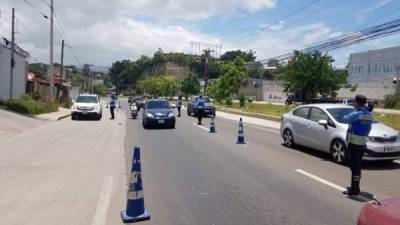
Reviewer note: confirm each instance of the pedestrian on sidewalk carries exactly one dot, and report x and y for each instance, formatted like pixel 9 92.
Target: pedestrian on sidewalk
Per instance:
pixel 360 123
pixel 199 105
pixel 112 103
pixel 179 105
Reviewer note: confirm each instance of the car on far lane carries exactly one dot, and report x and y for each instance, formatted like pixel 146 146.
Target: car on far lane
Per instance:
pixel 321 127
pixel 158 112
pixel 209 108
pixel 86 106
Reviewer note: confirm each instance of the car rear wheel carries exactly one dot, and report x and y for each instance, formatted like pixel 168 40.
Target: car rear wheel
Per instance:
pixel 145 126
pixel 339 151
pixel 288 138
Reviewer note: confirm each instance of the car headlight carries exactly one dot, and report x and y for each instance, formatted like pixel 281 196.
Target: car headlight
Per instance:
pixel 171 114
pixel 73 107
pixel 149 115
pixel 96 107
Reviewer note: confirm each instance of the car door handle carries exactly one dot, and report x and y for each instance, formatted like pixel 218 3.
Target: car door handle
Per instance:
pixel 308 125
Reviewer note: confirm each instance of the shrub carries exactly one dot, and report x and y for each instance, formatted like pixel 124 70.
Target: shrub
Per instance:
pixel 36 95
pixel 392 101
pixel 27 105
pixel 228 101
pixel 242 100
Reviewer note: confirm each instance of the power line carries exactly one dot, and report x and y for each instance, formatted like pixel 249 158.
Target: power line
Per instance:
pixel 46 3
pixel 284 18
pixel 86 52
pixel 36 9
pixel 19 22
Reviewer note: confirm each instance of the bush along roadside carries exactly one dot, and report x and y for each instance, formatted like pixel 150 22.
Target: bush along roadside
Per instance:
pixel 27 105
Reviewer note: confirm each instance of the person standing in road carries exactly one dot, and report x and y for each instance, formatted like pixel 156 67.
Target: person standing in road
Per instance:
pixel 179 105
pixel 199 105
pixel 360 123
pixel 112 103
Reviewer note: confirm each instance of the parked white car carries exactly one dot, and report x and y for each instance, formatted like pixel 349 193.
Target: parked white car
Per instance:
pixel 86 106
pixel 321 127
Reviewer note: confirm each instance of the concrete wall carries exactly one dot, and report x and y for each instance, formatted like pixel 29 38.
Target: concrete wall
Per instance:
pixel 19 78
pixel 173 69
pixel 273 91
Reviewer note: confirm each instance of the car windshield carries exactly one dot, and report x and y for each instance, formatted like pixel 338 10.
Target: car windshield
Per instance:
pixel 86 99
pixel 206 99
pixel 158 105
pixel 339 113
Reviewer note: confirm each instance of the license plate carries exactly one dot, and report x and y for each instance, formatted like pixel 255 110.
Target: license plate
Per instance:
pixel 84 112
pixel 389 149
pixel 206 110
pixel 161 121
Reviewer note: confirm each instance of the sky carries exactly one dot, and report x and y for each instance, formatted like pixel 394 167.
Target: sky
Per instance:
pixel 99 32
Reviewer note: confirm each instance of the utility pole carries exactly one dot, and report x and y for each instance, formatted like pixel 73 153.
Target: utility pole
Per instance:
pixel 91 81
pixel 51 66
pixel 397 78
pixel 12 62
pixel 61 69
pixel 206 55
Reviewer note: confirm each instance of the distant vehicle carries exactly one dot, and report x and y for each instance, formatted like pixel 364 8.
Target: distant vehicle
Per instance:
pixel 134 110
pixel 140 102
pixel 131 99
pixel 158 112
pixel 209 108
pixel 321 127
pixel 385 212
pixel 87 106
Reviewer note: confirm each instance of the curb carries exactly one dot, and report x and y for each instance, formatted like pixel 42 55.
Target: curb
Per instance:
pixel 64 116
pixel 255 115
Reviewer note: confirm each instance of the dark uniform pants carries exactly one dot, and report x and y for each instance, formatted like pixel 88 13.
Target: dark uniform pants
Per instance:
pixel 356 152
pixel 200 114
pixel 179 111
pixel 112 108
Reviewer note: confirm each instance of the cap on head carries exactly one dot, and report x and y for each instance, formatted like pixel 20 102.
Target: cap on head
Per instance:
pixel 361 99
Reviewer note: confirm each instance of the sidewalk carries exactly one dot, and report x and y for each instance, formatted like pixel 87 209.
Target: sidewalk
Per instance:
pixel 54 116
pixel 249 120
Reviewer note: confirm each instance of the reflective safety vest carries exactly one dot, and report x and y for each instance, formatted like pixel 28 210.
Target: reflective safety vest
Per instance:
pixel 360 124
pixel 179 103
pixel 200 103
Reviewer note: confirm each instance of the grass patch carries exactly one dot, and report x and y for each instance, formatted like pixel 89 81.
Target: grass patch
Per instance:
pixel 27 105
pixel 267 109
pixel 391 120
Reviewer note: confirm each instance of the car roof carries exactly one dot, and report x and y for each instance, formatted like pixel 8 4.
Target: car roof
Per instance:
pixel 157 100
pixel 328 105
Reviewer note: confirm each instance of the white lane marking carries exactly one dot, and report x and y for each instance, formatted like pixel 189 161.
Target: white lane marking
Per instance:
pixel 397 161
pixel 269 130
pixel 103 202
pixel 204 193
pixel 330 184
pixel 199 126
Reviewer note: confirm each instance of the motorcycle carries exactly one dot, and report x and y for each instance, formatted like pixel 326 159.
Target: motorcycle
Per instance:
pixel 134 111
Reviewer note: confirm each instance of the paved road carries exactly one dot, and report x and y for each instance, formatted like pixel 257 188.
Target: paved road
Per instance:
pixel 75 172
pixel 64 172
pixel 193 177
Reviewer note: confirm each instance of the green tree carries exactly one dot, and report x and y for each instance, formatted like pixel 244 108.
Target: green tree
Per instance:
pixel 100 89
pixel 247 56
pixel 190 85
pixel 39 69
pixel 310 75
pixel 170 86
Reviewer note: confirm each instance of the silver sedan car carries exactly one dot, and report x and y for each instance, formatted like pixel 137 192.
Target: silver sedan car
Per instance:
pixel 321 127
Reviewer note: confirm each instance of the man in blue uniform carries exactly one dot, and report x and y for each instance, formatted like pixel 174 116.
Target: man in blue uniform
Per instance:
pixel 179 105
pixel 360 122
pixel 199 105
pixel 112 103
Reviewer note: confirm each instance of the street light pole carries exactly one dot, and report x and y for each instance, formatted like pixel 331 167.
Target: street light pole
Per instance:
pixel 51 66
pixel 12 62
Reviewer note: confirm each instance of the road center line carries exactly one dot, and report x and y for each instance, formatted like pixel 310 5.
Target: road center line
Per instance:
pixel 199 126
pixel 103 202
pixel 321 180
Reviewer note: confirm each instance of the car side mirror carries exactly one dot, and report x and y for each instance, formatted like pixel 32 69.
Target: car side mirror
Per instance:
pixel 323 122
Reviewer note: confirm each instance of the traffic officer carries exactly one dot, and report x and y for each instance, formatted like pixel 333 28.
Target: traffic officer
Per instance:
pixel 179 105
pixel 360 122
pixel 199 105
pixel 112 103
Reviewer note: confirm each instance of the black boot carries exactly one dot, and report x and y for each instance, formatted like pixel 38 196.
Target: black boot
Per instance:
pixel 355 186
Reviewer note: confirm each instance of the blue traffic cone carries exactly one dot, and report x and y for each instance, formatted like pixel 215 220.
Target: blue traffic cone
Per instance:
pixel 135 210
pixel 240 139
pixel 212 125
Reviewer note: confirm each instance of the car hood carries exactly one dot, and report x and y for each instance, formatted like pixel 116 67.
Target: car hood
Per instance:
pixel 81 104
pixel 381 130
pixel 159 112
pixel 208 104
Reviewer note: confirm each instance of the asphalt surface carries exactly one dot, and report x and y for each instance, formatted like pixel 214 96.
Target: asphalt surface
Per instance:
pixel 75 172
pixel 193 177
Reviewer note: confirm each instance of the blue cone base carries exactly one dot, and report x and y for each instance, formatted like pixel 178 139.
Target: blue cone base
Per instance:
pixel 212 131
pixel 241 142
pixel 128 219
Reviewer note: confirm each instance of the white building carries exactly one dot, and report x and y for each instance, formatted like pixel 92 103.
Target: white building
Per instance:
pixel 373 73
pixel 20 71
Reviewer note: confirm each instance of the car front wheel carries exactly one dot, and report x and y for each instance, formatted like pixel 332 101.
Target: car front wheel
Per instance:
pixel 339 151
pixel 288 138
